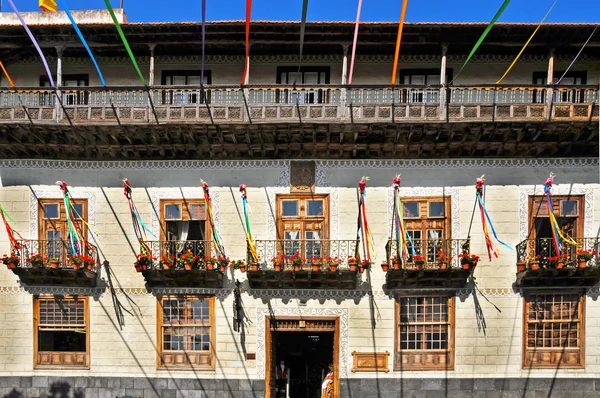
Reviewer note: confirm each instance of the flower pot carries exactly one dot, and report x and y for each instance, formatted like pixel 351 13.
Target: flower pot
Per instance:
pixel 353 267
pixel 187 266
pixel 361 269
pixel 166 266
pixel 90 266
pixel 138 268
pixel 316 267
pixel 419 266
pixel 222 267
pixel 11 265
pixel 442 265
pixel 396 265
pixel 54 263
pixel 143 267
pixel 534 265
pixel 254 266
pixel 466 266
pixel 385 267
pixel 76 266
pixel 582 264
pixel 210 266
pixel 333 267
pixel 277 267
pixel 243 268
pixel 520 266
pixel 297 267
pixel 37 265
pixel 560 265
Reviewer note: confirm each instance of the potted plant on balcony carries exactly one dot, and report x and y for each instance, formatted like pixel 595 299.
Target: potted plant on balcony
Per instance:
pixel 520 265
pixel 333 262
pixel 534 262
pixel 54 262
pixel 278 262
pixel 297 262
pixel 364 265
pixel 239 264
pixel 468 261
pixel 188 259
pixel 583 256
pixel 37 260
pixel 76 261
pixel 142 262
pixel 254 266
pixel 443 260
pixel 353 263
pixel 316 263
pixel 89 261
pixel 419 261
pixel 223 263
pixel 396 262
pixel 11 260
pixel 210 263
pixel 167 262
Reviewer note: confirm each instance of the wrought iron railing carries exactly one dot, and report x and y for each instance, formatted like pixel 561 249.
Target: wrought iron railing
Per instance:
pixel 433 252
pixel 56 251
pixel 322 249
pixel 543 250
pixel 172 250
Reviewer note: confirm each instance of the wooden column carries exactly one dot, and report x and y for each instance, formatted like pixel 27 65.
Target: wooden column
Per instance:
pixel 58 82
pixel 151 75
pixel 443 102
pixel 343 91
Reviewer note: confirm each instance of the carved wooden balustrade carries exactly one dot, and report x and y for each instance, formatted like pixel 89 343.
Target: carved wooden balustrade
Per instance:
pixel 538 263
pixel 54 267
pixel 429 263
pixel 307 102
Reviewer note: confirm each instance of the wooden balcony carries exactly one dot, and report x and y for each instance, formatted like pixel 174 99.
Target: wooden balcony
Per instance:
pixel 538 264
pixel 304 277
pixel 196 275
pixel 281 103
pixel 441 265
pixel 56 268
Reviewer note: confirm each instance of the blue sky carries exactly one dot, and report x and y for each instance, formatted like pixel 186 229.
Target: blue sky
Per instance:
pixel 344 10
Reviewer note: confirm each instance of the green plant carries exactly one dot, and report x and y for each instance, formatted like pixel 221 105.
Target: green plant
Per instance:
pixel 297 260
pixel 237 263
pixel 188 257
pixel 419 259
pixel 11 259
pixel 466 258
pixel 37 260
pixel 144 259
pixel 585 255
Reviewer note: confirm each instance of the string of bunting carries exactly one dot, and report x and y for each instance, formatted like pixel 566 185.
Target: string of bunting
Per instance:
pixel 363 225
pixel 139 227
pixel 557 235
pixel 216 236
pixel 486 222
pixel 76 236
pixel 11 232
pixel 398 41
pixel 403 239
pixel 249 240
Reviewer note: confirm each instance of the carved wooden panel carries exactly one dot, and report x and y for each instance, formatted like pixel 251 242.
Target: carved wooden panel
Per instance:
pixel 55 358
pixel 424 360
pixel 370 361
pixel 189 358
pixel 295 325
pixel 302 177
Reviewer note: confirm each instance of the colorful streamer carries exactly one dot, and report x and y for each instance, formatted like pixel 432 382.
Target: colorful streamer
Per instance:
pixel 486 222
pixel 35 43
pixel 557 234
pixel 247 59
pixel 577 56
pixel 124 40
pixel 12 84
pixel 527 43
pixel 302 31
pixel 215 233
pixel 398 40
pixel 48 5
pixel 76 237
pixel 362 219
pixel 354 42
pixel 63 4
pixel 483 35
pixel 403 239
pixel 249 240
pixel 139 227
pixel 14 243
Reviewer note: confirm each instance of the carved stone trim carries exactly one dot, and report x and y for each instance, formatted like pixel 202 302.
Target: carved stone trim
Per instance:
pixel 221 294
pixel 311 294
pixel 53 192
pixel 262 313
pixel 559 189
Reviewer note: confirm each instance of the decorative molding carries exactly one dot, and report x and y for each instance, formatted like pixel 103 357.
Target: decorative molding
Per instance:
pixel 221 294
pixel 64 290
pixel 262 313
pixel 302 176
pixel 53 192
pixel 311 294
pixel 562 189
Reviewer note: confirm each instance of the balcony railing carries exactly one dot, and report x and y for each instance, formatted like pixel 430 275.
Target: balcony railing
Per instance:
pixel 58 251
pixel 175 248
pixel 267 250
pixel 434 252
pixel 311 103
pixel 543 250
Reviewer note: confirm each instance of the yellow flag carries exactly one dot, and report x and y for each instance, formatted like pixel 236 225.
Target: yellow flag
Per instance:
pixel 48 5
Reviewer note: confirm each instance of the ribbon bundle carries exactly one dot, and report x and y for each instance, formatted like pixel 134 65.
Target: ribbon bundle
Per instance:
pixel 216 237
pixel 138 225
pixel 76 236
pixel 557 234
pixel 363 225
pixel 14 244
pixel 403 239
pixel 486 222
pixel 251 246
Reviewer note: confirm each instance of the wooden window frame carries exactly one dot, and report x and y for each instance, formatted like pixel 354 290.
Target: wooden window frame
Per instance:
pixel 581 333
pixel 303 69
pixel 186 73
pixel 36 324
pixel 302 214
pixel 160 337
pixel 581 74
pixel 450 352
pixel 428 199
pixel 62 219
pixel 532 210
pixel 185 215
pixel 426 72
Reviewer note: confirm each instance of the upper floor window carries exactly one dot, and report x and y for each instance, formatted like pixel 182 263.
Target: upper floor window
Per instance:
pixel 74 97
pixel 61 332
pixel 427 222
pixel 54 229
pixel 424 333
pixel 184 220
pixel 421 77
pixel 306 75
pixel 554 331
pixel 572 78
pixel 186 331
pixel 182 95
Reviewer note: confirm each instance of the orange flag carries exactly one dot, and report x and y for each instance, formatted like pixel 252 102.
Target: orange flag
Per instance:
pixel 48 5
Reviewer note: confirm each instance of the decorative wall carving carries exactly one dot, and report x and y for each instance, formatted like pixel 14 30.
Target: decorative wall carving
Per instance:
pixel 261 313
pixel 559 189
pixel 370 361
pixel 302 176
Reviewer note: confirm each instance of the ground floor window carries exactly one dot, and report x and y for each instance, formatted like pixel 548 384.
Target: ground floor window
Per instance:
pixel 186 331
pixel 554 325
pixel 424 333
pixel 61 331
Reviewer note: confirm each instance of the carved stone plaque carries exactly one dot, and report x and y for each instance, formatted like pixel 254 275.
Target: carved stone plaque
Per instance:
pixel 302 177
pixel 370 362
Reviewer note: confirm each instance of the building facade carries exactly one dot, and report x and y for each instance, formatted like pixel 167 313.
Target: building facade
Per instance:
pixel 301 139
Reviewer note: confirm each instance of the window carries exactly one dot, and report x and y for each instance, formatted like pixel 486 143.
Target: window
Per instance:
pixel 74 97
pixel 554 325
pixel 185 96
pixel 574 78
pixel 424 333
pixel 303 224
pixel 306 75
pixel 428 224
pixel 54 229
pixel 186 330
pixel 184 227
pixel 61 332
pixel 421 77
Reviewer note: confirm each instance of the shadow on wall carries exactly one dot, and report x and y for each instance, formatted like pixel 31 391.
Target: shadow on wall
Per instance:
pixel 59 389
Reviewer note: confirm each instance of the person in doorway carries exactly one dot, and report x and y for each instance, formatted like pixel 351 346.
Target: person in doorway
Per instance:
pixel 281 381
pixel 327 386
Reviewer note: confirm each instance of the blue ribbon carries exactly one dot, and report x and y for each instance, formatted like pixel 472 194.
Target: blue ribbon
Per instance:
pixel 487 216
pixel 139 219
pixel 553 220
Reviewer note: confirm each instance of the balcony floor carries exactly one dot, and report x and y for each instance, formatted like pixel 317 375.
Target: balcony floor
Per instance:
pixel 565 277
pixel 56 277
pixel 195 278
pixel 455 278
pixel 269 279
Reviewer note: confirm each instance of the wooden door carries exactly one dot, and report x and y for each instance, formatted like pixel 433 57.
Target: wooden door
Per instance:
pixel 428 224
pixel 54 236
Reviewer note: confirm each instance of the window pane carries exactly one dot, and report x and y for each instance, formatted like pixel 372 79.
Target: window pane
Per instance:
pixel 436 209
pixel 198 212
pixel 289 208
pixel 314 208
pixel 540 208
pixel 186 324
pixel 173 212
pixel 569 208
pixel 424 323
pixel 51 211
pixel 411 210
pixel 78 211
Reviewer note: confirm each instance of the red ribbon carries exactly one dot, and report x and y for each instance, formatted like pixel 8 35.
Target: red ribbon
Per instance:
pixel 248 11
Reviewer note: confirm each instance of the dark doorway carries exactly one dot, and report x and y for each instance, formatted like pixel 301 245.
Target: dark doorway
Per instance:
pixel 308 356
